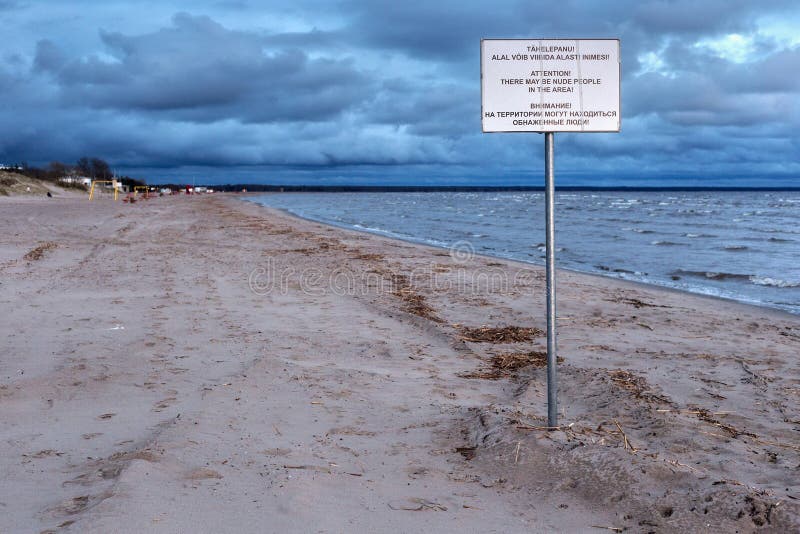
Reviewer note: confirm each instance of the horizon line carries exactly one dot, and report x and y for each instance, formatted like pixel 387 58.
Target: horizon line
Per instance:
pixel 289 188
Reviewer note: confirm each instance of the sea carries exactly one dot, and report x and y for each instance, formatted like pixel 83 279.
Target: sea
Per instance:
pixel 739 245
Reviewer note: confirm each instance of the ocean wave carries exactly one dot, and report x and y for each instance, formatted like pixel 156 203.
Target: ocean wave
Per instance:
pixel 783 230
pixel 665 243
pixel 752 278
pixel 692 236
pixel 735 248
pixel 382 231
pixel 711 275
pixel 618 271
pixel 772 282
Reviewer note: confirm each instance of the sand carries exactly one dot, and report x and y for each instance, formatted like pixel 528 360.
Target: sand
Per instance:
pixel 203 364
pixel 17 185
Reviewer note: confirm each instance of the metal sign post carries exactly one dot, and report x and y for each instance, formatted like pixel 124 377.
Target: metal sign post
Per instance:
pixel 550 267
pixel 547 86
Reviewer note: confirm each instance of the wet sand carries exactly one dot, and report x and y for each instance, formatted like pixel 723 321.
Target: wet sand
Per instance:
pixel 205 364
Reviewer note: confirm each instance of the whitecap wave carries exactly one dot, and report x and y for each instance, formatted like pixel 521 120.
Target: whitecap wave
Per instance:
pixel 772 282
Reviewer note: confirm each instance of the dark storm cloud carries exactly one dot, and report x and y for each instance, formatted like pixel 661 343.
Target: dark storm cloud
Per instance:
pixel 197 70
pixel 357 82
pixel 775 74
pixel 48 57
pixel 690 17
pixel 314 39
pixel 700 89
pixel 433 109
pixel 449 28
pixel 444 30
pixel 6 81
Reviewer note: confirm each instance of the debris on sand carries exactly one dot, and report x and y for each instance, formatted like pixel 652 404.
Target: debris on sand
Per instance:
pixel 327 243
pixel 637 385
pixel 415 303
pixel 625 441
pixel 467 452
pixel 484 374
pixel 306 251
pixel 369 257
pixel 612 529
pixel 76 504
pixel 706 416
pixel 38 252
pixel 416 504
pixel 584 434
pixel 636 303
pixel 512 361
pixel 505 334
pixel 203 474
pixel 44 453
pixel 505 364
pixel 317 468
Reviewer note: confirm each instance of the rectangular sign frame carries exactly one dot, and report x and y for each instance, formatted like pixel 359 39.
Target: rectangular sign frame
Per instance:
pixel 565 116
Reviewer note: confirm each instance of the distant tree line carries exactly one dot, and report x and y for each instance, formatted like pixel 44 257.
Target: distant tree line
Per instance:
pixel 94 168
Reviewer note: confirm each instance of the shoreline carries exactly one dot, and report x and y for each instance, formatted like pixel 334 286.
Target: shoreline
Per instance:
pixel 154 380
pixel 522 263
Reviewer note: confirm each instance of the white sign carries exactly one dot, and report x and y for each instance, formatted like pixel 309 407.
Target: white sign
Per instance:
pixel 550 85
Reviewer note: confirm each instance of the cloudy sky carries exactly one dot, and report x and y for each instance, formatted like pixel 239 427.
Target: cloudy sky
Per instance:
pixel 367 91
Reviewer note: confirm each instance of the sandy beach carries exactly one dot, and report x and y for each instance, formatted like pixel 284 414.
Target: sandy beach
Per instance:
pixel 204 364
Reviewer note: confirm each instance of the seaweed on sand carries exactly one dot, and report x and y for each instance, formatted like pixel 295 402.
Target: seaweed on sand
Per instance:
pixel 505 334
pixel 38 252
pixel 505 364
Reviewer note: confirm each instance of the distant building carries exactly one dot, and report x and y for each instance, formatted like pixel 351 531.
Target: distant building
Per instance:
pixel 83 180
